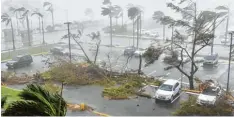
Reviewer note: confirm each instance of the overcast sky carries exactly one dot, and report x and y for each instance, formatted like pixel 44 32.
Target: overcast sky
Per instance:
pixel 76 8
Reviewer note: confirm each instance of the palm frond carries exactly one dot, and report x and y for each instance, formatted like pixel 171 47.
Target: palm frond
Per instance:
pixel 37 13
pixel 178 9
pixel 221 8
pixel 158 15
pixel 25 13
pixel 8 21
pixel 25 108
pixel 105 2
pixel 106 11
pixel 12 9
pixel 133 12
pixel 20 9
pixel 46 4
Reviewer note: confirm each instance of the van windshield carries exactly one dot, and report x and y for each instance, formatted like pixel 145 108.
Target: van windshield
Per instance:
pixel 166 87
pixel 16 59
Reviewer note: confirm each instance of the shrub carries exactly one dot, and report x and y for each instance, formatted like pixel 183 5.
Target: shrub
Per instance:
pixel 190 108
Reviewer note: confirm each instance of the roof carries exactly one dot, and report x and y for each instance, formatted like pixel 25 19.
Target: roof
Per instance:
pixel 170 81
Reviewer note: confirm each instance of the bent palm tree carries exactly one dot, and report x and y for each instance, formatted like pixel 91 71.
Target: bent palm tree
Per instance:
pixel 50 9
pixel 25 15
pixel 36 101
pixel 133 12
pixel 108 11
pixel 42 23
pixel 118 12
pixel 7 19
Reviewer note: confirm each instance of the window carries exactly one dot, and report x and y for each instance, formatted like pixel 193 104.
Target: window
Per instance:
pixel 166 87
pixel 176 85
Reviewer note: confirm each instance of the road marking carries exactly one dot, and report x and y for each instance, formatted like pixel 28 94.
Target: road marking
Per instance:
pixel 151 73
pixel 177 97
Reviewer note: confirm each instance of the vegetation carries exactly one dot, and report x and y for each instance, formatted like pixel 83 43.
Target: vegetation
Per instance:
pixel 7 19
pixel 40 16
pixel 33 97
pixel 49 7
pixel 198 25
pixel 190 108
pixel 11 94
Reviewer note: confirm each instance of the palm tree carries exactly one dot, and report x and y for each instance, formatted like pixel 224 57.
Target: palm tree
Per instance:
pixel 7 19
pixel 96 37
pixel 108 11
pixel 157 16
pixel 36 101
pixel 40 16
pixel 118 11
pixel 106 2
pixel 50 9
pixel 25 15
pixel 225 10
pixel 12 9
pixel 133 13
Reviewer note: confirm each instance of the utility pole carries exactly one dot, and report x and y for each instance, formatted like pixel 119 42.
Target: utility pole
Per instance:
pixel 212 43
pixel 69 40
pixel 229 64
pixel 227 24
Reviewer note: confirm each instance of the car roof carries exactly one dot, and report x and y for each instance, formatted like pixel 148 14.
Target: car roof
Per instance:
pixel 170 82
pixel 23 55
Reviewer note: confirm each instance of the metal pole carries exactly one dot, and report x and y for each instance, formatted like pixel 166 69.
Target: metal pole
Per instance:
pixel 69 40
pixel 227 24
pixel 229 64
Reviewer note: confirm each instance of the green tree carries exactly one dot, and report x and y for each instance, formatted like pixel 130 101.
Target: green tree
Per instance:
pixel 133 13
pixel 50 8
pixel 23 16
pixel 108 11
pixel 36 101
pixel 40 16
pixel 7 19
pixel 198 25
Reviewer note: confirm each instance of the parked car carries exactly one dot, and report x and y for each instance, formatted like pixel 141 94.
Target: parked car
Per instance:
pixel 129 51
pixel 139 52
pixel 168 90
pixel 57 50
pixel 20 61
pixel 210 95
pixel 211 59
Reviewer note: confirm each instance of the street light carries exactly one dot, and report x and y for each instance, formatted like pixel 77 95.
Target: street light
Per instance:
pixel 69 40
pixel 229 64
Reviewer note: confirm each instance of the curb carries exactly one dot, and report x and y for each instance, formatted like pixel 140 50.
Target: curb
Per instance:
pixel 42 53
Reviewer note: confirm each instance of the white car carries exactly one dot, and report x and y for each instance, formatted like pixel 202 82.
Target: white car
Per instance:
pixel 211 59
pixel 168 90
pixel 209 96
pixel 139 52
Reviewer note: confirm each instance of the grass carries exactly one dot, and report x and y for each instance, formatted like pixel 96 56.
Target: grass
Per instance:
pixel 31 50
pixel 12 94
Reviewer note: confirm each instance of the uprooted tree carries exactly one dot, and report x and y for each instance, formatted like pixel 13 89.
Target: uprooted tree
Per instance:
pixel 198 26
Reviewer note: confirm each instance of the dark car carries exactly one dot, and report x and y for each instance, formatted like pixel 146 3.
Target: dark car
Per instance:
pixel 57 50
pixel 129 51
pixel 20 61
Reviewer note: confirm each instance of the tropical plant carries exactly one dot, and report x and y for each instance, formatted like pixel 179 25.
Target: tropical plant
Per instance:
pixel 12 9
pixel 50 9
pixel 118 12
pixel 7 19
pixel 198 25
pixel 3 101
pixel 40 16
pixel 36 101
pixel 109 11
pixel 23 16
pixel 133 13
pixel 96 37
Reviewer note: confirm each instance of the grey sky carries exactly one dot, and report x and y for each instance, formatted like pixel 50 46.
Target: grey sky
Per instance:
pixel 76 8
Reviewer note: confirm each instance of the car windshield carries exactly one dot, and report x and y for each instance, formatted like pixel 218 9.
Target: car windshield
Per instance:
pixel 211 57
pixel 166 87
pixel 210 91
pixel 16 58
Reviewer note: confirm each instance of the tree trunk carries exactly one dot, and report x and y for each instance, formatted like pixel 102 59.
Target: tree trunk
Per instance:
pixel 140 29
pixel 17 23
pixel 137 32
pixel 12 32
pixel 163 32
pixel 212 43
pixel 140 63
pixel 191 86
pixel 39 19
pixel 172 37
pixel 227 24
pixel 52 13
pixel 111 30
pixel 133 33
pixel 43 33
pixel 122 20
pixel 29 40
pixel 97 51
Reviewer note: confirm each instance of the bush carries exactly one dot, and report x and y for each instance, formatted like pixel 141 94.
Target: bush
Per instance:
pixel 190 108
